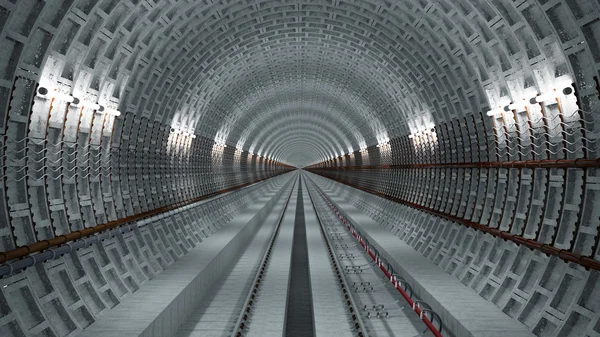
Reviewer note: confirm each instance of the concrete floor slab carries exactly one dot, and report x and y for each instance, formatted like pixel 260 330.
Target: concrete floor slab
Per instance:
pixel 463 311
pixel 163 304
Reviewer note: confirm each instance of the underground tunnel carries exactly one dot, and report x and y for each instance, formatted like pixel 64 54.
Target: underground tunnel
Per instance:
pixel 299 168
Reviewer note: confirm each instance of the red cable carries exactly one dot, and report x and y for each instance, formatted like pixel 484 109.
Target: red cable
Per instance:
pixel 396 284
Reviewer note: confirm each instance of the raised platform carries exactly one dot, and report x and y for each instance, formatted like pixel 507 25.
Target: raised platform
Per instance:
pixel 463 311
pixel 160 307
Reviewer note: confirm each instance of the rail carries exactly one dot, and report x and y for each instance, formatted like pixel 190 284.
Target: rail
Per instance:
pixel 354 310
pixel 244 316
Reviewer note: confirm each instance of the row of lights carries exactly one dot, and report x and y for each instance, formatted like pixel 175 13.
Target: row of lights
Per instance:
pixel 363 149
pixel 218 144
pixel 183 132
pixel 221 144
pixel 385 142
pixel 548 99
pixel 44 93
pixel 193 136
pixel 422 133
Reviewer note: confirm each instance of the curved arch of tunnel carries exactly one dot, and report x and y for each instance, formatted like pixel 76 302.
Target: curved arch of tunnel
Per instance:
pixel 228 96
pixel 321 151
pixel 314 114
pixel 329 131
pixel 323 154
pixel 325 96
pixel 319 132
pixel 316 136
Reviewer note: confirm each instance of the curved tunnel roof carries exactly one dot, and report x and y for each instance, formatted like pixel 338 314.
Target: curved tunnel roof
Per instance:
pixel 347 74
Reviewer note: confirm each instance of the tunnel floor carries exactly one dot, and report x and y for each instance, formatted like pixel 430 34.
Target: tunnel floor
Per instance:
pixel 303 261
pixel 273 295
pixel 299 272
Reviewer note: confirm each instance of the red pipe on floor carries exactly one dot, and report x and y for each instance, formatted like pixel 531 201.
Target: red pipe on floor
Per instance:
pixel 416 309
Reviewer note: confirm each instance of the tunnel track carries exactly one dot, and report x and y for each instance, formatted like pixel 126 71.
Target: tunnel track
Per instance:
pixel 216 313
pixel 305 324
pixel 359 325
pixel 564 254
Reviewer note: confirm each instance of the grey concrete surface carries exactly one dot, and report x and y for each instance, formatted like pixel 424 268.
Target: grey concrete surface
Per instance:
pixel 463 312
pixel 159 308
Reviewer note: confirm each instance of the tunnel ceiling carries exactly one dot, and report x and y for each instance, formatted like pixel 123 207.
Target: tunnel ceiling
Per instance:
pixel 331 77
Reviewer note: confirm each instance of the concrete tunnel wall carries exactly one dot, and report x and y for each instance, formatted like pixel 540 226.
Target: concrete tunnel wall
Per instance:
pixel 403 98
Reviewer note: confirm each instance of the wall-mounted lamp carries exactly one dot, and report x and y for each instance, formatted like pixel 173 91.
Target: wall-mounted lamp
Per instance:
pixel 494 113
pixel 422 133
pixel 96 106
pixel 543 98
pixel 518 107
pixel 44 93
pixel 550 98
pixel 176 131
pixel 69 99
pixel 113 112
